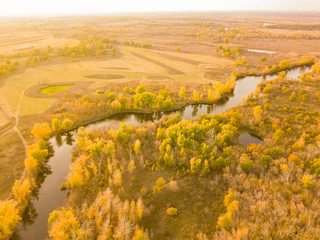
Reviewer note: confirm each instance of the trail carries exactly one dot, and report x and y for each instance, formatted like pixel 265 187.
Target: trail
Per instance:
pixel 15 127
pixel 16 116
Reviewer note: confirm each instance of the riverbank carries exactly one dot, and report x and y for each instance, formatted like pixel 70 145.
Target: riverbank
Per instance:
pixel 294 66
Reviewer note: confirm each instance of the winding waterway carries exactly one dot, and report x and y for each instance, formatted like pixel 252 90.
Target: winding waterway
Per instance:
pixel 49 197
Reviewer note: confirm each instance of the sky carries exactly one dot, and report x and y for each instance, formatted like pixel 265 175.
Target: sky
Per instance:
pixel 76 7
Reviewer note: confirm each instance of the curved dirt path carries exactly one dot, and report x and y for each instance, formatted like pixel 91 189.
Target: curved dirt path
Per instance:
pixel 15 116
pixel 15 127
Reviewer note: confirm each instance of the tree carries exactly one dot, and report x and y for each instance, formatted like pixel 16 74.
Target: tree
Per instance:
pixel 117 178
pixel 161 134
pixel 36 152
pixel 139 209
pixel 141 88
pixel 160 184
pixel 229 198
pixel 9 218
pixel 265 160
pixel 257 113
pixel 31 164
pixel 195 166
pixel 263 59
pixel 41 131
pixel 64 224
pixel 145 99
pixel 293 97
pixel 308 181
pixel 56 124
pixel 66 124
pixel 131 166
pixel 140 235
pixel 21 191
pixel 196 96
pixel 137 146
pixel 316 68
pixel 111 96
pixel 182 93
pixel 225 222
pixel 282 75
pixel 246 164
pixel 278 136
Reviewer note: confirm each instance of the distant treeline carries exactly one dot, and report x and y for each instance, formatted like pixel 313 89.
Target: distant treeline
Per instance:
pixel 295 26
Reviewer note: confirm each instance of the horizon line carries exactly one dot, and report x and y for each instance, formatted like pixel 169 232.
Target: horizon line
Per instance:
pixel 50 15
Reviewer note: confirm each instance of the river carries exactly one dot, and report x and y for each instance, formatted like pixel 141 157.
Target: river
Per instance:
pixel 49 197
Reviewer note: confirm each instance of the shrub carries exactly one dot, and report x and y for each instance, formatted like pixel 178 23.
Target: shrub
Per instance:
pixel 172 211
pixel 246 164
pixel 265 159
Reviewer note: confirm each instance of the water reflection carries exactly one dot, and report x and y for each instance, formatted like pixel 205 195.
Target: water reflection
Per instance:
pixel 195 110
pixel 58 139
pixel 47 197
pixel 248 138
pixel 261 51
pixel 70 139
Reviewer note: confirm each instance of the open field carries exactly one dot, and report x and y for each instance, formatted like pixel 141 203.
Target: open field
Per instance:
pixel 11 42
pixel 141 63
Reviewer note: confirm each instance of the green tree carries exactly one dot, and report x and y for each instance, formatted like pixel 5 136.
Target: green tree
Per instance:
pixel 182 93
pixel 246 164
pixel 67 124
pixel 263 59
pixel 56 124
pixel 278 136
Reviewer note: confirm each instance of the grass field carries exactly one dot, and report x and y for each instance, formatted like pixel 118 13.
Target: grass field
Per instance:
pixel 129 66
pixel 14 42
pixel 54 89
pixel 12 162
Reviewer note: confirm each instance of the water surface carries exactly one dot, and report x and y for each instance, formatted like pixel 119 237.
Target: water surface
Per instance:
pixel 261 51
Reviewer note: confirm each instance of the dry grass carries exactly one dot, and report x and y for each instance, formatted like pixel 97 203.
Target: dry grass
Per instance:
pixel 18 41
pixel 105 76
pixel 12 156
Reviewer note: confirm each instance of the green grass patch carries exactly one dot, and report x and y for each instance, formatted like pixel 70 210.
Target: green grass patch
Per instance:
pixel 54 89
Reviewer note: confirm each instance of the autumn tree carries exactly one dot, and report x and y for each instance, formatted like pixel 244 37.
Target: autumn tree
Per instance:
pixel 182 93
pixel 41 131
pixel 9 218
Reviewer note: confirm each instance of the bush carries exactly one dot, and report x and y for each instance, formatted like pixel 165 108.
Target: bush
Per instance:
pixel 172 211
pixel 246 164
pixel 263 59
pixel 67 124
pixel 265 159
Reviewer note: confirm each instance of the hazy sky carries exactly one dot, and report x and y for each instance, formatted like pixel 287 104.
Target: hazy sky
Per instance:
pixel 63 7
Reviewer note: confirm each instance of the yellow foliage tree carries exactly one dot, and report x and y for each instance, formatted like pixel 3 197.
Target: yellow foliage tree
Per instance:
pixel 9 218
pixel 41 130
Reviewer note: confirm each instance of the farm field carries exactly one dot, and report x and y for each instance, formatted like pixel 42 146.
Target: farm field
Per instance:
pixel 135 68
